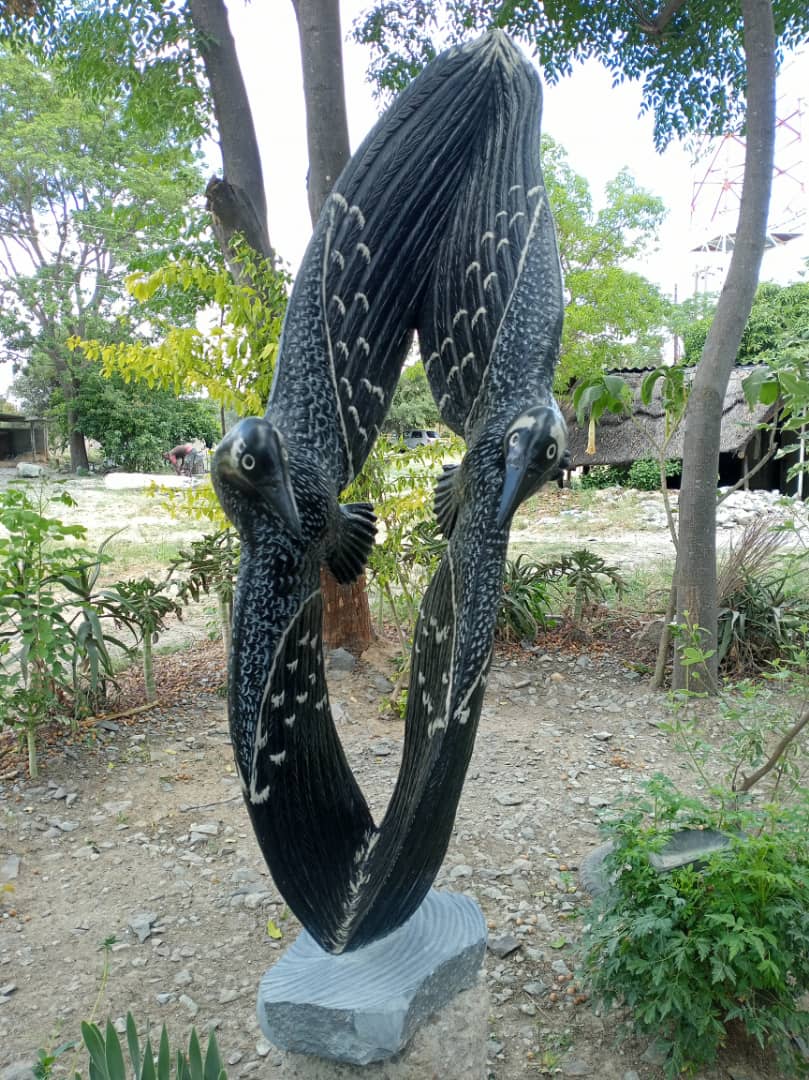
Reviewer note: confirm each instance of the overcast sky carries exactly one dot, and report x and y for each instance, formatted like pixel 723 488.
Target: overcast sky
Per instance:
pixel 598 125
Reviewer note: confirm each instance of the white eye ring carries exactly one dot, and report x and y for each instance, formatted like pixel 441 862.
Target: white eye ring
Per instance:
pixel 514 439
pixel 248 462
pixel 550 453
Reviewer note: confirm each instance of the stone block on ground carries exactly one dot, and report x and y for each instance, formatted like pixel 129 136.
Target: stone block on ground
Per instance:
pixel 364 1006
pixel 452 1044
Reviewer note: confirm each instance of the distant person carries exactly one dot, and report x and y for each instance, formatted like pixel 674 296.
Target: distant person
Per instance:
pixel 176 457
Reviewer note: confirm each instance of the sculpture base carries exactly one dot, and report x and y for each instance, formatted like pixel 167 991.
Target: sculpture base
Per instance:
pixel 364 1006
pixel 452 1044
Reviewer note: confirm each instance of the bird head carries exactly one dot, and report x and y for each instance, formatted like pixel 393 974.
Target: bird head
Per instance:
pixel 534 446
pixel 252 461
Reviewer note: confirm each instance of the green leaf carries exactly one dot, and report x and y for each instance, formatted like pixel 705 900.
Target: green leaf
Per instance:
pixel 164 1057
pixel 195 1057
pixel 134 1045
pixel 115 1059
pixel 94 1042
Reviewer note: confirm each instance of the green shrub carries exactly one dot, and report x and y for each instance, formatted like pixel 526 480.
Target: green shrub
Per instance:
pixel 526 600
pixel 584 572
pixel 604 476
pixel 644 474
pixel 697 949
pixel 761 613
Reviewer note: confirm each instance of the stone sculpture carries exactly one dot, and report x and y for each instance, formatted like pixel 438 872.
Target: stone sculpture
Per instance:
pixel 440 221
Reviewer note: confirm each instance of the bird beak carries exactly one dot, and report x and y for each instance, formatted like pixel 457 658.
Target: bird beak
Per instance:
pixel 277 494
pixel 515 485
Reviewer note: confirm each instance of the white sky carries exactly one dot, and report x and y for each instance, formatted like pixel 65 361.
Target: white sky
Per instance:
pixel 598 125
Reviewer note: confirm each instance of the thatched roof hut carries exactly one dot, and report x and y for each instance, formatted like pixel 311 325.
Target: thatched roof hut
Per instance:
pixel 620 440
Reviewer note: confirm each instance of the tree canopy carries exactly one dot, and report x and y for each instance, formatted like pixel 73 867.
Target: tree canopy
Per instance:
pixel 614 315
pixel 780 314
pixel 688 55
pixel 84 199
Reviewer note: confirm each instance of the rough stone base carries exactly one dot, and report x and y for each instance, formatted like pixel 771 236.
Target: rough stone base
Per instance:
pixel 365 1006
pixel 451 1045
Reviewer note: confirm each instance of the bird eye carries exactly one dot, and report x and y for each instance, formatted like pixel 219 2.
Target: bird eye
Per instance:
pixel 550 453
pixel 248 462
pixel 514 440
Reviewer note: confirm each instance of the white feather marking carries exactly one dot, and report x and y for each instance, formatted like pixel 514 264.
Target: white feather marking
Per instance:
pixel 430 359
pixel 458 316
pixel 339 304
pixel 324 307
pixel 300 698
pixel 475 265
pixel 489 279
pixel 452 374
pixel 376 391
pixel 444 343
pixel 534 191
pixel 277 699
pixel 363 344
pixel 340 200
pixel 289 720
pixel 361 298
pixel 292 665
pixel 514 217
pixel 468 359
pixel 276 759
pixel 365 251
pixel 321 703
pixel 481 311
pixel 337 256
pixel 488 235
pixel 504 242
pixel 443 402
pixel 261 736
pixel 355 212
pixel 515 187
pixel 344 382
pixel 342 347
pixel 501 213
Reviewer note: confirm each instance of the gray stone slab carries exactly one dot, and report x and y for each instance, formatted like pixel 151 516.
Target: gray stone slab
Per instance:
pixel 364 1006
pixel 688 846
pixel 453 1044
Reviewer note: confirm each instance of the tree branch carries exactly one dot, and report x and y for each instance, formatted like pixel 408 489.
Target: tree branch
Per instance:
pixel 751 780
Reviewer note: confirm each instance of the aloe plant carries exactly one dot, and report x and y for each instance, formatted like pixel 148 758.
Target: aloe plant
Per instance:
pixel 107 1057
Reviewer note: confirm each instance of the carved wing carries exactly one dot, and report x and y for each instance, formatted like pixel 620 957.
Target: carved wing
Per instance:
pixel 373 250
pixel 501 217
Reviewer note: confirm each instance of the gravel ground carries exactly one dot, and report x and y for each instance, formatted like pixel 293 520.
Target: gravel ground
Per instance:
pixel 137 832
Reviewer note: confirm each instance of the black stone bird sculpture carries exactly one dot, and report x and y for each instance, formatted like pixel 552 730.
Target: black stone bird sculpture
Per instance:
pixel 347 329
pixel 489 330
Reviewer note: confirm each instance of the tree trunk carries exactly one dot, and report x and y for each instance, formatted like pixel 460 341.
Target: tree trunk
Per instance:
pixel 346 614
pixel 324 93
pixel 346 611
pixel 696 560
pixel 237 201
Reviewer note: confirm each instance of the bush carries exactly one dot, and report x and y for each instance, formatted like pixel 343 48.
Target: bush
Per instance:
pixel 695 950
pixel 582 571
pixel 526 601
pixel 644 474
pixel 604 476
pixel 759 614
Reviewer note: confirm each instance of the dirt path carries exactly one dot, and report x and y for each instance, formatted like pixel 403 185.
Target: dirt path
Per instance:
pixel 140 835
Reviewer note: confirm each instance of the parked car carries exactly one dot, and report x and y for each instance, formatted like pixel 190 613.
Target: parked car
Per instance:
pixel 419 437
